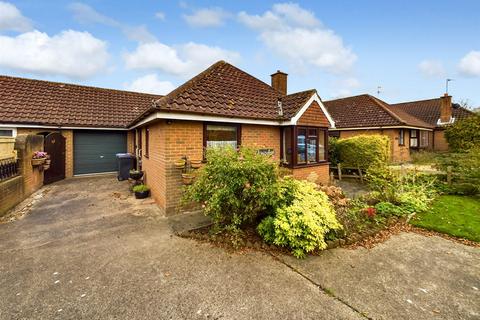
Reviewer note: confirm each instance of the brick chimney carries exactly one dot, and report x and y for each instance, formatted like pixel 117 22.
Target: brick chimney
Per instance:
pixel 446 108
pixel 279 82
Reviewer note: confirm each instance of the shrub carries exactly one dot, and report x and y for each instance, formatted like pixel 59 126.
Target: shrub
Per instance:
pixel 333 152
pixel 411 191
pixel 140 188
pixel 389 209
pixel 464 134
pixel 363 151
pixel 464 168
pixel 235 187
pixel 302 219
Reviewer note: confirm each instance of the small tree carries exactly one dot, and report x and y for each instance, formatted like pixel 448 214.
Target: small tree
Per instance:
pixel 235 187
pixel 464 134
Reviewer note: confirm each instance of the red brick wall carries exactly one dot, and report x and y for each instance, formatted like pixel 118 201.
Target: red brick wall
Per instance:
pixel 256 136
pixel 318 174
pixel 170 142
pixel 314 116
pixel 440 143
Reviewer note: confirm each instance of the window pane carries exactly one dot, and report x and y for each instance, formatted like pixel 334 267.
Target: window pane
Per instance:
pixel 401 137
pixel 413 142
pixel 413 133
pixel 321 146
pixel 312 149
pixel 312 132
pixel 221 136
pixel 423 138
pixel 301 145
pixel 6 133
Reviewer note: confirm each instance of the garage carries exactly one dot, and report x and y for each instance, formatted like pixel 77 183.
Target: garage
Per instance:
pixel 94 150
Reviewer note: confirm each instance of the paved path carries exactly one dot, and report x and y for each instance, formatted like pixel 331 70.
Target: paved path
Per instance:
pixel 88 250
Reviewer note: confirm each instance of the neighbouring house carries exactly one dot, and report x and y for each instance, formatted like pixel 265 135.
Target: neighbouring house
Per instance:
pixel 439 113
pixel 365 114
pixel 84 127
pixel 411 126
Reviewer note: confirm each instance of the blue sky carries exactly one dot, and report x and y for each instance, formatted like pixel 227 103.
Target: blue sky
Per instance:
pixel 339 48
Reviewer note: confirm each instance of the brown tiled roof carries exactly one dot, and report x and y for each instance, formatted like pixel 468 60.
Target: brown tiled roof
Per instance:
pixel 429 110
pixel 292 103
pixel 27 101
pixel 227 91
pixel 368 111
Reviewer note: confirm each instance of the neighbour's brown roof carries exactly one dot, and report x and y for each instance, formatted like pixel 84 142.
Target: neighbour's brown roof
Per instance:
pixel 37 102
pixel 224 90
pixel 367 111
pixel 429 110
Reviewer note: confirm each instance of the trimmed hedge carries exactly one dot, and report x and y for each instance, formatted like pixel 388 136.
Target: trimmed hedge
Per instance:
pixel 363 151
pixel 464 134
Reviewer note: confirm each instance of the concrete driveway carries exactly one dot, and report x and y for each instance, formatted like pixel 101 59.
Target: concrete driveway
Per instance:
pixel 88 250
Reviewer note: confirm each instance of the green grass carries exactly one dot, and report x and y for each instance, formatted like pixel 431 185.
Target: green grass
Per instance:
pixel 458 216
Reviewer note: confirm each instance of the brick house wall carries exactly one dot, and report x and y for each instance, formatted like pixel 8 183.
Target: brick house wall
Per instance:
pixel 171 141
pixel 440 143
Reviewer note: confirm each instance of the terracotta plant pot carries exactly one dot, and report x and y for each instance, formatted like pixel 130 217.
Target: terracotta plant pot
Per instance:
pixel 179 164
pixel 196 163
pixel 38 162
pixel 187 178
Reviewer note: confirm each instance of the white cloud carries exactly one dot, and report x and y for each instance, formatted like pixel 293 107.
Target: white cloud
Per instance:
pixel 87 15
pixel 470 64
pixel 345 86
pixel 184 60
pixel 294 33
pixel 160 15
pixel 207 17
pixel 432 68
pixel 70 53
pixel 150 84
pixel 12 19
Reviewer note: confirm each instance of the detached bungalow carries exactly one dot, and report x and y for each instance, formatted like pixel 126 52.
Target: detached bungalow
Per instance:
pixel 226 106
pixel 85 127
pixel 411 126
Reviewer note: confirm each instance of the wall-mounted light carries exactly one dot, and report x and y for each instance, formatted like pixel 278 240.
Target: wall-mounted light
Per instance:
pixel 169 121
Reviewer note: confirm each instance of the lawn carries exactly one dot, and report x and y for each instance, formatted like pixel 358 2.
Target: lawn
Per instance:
pixel 455 215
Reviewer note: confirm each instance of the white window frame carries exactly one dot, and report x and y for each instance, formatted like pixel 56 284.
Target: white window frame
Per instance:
pixel 14 131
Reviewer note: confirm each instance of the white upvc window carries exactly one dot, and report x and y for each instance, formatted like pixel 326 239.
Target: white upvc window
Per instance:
pixel 8 132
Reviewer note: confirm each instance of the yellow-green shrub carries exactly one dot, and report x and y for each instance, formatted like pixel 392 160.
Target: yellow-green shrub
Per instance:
pixel 363 151
pixel 302 220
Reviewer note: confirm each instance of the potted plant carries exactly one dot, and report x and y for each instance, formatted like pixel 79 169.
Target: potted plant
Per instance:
pixel 187 178
pixel 136 174
pixel 141 191
pixel 196 163
pixel 38 158
pixel 180 163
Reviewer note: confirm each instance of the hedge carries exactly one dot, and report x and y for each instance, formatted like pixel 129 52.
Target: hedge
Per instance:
pixel 363 151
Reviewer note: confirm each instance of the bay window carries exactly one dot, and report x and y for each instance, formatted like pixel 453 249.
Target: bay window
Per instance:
pixel 221 135
pixel 418 138
pixel 302 145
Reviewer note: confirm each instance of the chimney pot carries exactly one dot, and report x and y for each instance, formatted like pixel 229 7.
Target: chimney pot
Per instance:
pixel 279 82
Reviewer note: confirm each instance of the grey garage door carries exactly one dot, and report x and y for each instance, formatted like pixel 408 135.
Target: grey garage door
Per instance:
pixel 94 151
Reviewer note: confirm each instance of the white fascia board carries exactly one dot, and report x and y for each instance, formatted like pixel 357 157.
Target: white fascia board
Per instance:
pixel 379 128
pixel 440 123
pixel 207 118
pixel 9 126
pixel 313 98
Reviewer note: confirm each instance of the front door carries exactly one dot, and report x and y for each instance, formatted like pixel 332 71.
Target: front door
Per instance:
pixel 54 145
